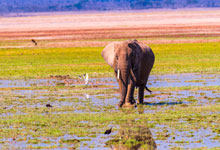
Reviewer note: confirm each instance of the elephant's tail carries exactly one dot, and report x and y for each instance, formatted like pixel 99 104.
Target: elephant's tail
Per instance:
pixel 148 89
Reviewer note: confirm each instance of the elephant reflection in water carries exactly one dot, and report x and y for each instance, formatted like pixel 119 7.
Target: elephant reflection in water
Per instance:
pixel 132 136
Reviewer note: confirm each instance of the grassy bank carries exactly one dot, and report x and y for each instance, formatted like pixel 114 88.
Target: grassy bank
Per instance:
pixel 41 63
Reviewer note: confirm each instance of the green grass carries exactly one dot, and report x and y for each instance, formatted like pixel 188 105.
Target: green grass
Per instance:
pixel 182 58
pixel 41 63
pixel 34 63
pixel 55 125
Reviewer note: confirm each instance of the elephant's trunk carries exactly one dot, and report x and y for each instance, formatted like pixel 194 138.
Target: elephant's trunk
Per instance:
pixel 123 81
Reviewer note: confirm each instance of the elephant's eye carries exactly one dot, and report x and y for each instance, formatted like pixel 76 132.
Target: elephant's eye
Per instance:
pixel 116 57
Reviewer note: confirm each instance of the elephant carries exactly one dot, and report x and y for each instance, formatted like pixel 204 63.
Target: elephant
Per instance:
pixel 132 62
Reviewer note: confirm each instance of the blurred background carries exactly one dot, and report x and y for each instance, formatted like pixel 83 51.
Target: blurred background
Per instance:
pixel 7 6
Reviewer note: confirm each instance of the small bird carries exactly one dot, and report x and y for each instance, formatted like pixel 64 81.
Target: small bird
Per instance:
pixel 34 42
pixel 87 96
pixel 108 131
pixel 48 105
pixel 86 78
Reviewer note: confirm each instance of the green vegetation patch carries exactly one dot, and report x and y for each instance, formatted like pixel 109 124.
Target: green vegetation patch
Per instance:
pixel 44 62
pixel 187 57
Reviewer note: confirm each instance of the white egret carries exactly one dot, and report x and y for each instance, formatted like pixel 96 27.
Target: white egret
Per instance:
pixel 86 78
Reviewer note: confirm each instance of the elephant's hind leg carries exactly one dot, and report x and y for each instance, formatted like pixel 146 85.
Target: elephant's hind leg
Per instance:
pixel 141 94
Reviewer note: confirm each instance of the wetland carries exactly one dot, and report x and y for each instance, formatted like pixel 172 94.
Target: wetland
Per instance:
pixel 45 103
pixel 182 112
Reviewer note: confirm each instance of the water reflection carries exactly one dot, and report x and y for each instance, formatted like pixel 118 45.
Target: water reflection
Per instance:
pixel 133 135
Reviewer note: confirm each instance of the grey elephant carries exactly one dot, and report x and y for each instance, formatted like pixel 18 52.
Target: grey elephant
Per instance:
pixel 132 62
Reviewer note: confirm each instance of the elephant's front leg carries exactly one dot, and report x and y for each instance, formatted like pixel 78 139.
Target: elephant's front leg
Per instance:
pixel 130 93
pixel 141 94
pixel 131 96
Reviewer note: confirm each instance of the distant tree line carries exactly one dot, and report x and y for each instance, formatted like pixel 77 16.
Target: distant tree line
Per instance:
pixel 76 5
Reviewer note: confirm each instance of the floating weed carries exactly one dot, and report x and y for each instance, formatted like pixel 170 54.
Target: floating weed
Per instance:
pixel 180 142
pixel 198 141
pixel 189 99
pixel 217 137
pixel 69 141
pixel 34 141
pixel 161 136
pixel 85 139
pixel 60 84
pixel 202 94
pixel 108 107
pixel 106 96
pixel 184 105
pixel 148 96
pixel 42 147
pixel 195 81
pixel 176 148
pixel 214 91
pixel 217 130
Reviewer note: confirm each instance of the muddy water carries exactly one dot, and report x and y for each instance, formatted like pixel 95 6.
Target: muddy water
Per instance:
pixel 64 96
pixel 26 94
pixel 173 80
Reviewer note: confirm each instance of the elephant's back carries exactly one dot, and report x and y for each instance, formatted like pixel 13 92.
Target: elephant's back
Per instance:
pixel 147 51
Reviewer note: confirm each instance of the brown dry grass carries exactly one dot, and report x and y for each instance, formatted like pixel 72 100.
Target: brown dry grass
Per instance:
pixel 95 29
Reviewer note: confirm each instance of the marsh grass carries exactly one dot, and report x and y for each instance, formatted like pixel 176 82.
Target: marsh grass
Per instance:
pixel 192 57
pixel 56 125
pixel 27 119
pixel 44 62
pixel 19 121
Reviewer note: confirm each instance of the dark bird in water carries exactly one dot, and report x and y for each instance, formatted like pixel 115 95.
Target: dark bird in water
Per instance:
pixel 148 90
pixel 34 42
pixel 108 131
pixel 48 105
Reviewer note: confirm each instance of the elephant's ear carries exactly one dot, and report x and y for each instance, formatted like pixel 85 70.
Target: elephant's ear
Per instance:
pixel 108 53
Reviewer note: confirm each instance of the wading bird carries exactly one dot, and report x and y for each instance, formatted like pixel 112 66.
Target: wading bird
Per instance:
pixel 86 78
pixel 87 96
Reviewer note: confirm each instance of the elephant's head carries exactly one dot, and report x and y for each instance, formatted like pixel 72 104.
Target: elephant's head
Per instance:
pixel 121 56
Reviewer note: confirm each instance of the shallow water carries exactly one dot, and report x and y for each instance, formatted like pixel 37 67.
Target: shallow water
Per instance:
pixel 75 94
pixel 188 139
pixel 172 80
